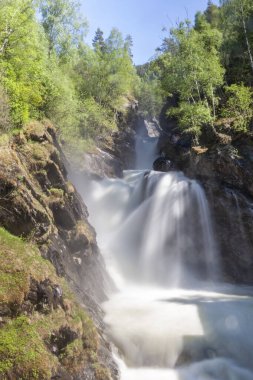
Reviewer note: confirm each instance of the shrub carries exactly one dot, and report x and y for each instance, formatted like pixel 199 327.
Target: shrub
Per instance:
pixel 238 106
pixel 192 116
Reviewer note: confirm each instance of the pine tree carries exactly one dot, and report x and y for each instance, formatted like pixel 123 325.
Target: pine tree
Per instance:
pixel 98 41
pixel 212 14
pixel 129 44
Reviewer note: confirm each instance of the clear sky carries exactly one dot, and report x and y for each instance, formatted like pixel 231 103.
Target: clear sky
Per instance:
pixel 143 19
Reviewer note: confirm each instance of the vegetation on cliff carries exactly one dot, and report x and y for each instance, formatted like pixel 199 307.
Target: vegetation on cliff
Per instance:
pixel 47 71
pixel 40 318
pixel 206 69
pixel 39 315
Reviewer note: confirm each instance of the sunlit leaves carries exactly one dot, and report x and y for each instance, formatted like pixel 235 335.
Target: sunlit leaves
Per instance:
pixel 239 106
pixel 22 59
pixel 63 26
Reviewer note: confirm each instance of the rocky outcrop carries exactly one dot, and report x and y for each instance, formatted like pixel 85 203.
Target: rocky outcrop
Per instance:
pixel 224 166
pixel 39 204
pixel 113 153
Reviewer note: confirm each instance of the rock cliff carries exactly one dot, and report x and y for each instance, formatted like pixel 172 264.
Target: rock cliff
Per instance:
pixel 223 164
pixel 43 210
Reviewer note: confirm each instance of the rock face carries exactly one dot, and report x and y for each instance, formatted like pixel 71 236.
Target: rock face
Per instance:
pixel 224 172
pixel 224 167
pixel 162 164
pixel 39 204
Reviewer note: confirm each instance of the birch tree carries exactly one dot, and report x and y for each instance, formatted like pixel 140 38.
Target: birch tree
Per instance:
pixel 237 18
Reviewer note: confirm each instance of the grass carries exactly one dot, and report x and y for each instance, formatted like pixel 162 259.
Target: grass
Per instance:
pixel 19 261
pixel 22 350
pixel 56 196
pixel 25 339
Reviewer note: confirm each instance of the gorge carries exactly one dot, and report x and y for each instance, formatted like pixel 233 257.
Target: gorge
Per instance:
pixel 126 191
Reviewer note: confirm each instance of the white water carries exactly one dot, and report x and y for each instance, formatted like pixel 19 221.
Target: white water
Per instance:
pixel 168 321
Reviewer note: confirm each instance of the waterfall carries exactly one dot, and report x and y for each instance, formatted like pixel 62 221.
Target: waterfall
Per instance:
pixel 161 231
pixel 145 144
pixel 171 318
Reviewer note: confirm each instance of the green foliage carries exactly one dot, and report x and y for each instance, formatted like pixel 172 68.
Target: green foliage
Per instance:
pixel 46 71
pixel 239 106
pixel 24 340
pixel 191 69
pixel 96 120
pixel 21 350
pixel 107 77
pixel 212 14
pixel 237 49
pixel 63 26
pixel 98 41
pixel 192 116
pixel 150 98
pixel 22 59
pixel 62 104
pixel 18 261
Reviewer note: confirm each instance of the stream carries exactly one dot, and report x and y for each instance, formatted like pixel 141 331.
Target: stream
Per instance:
pixel 172 317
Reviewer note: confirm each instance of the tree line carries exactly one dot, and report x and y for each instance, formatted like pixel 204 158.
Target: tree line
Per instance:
pixel 48 71
pixel 207 68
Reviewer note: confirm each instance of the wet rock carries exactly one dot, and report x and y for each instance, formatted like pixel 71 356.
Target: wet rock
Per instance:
pixel 162 165
pixel 223 164
pixel 60 339
pixel 224 168
pixel 44 296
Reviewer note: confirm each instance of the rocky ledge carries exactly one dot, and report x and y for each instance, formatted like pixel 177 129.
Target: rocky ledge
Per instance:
pixel 39 314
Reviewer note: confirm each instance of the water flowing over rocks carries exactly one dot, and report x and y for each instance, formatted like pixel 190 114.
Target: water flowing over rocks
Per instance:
pixel 224 167
pixel 175 314
pixel 172 317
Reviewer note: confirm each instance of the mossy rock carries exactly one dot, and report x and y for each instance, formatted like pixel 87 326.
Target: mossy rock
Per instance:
pixel 22 350
pixel 26 336
pixel 19 261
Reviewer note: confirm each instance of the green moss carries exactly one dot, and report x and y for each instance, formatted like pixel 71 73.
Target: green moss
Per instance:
pixel 101 372
pixel 18 262
pixel 83 228
pixel 56 196
pixel 37 155
pixel 39 152
pixel 24 340
pixel 35 127
pixel 58 193
pixel 73 357
pixel 22 351
pixel 16 131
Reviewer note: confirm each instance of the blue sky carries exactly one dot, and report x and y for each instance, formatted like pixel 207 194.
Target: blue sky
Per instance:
pixel 143 19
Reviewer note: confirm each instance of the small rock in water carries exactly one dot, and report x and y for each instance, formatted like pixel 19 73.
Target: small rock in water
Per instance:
pixel 162 164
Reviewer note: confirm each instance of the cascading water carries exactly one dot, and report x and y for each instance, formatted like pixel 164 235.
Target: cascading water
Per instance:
pixel 155 233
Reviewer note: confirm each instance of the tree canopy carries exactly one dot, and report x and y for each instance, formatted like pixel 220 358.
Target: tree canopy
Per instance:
pixel 48 71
